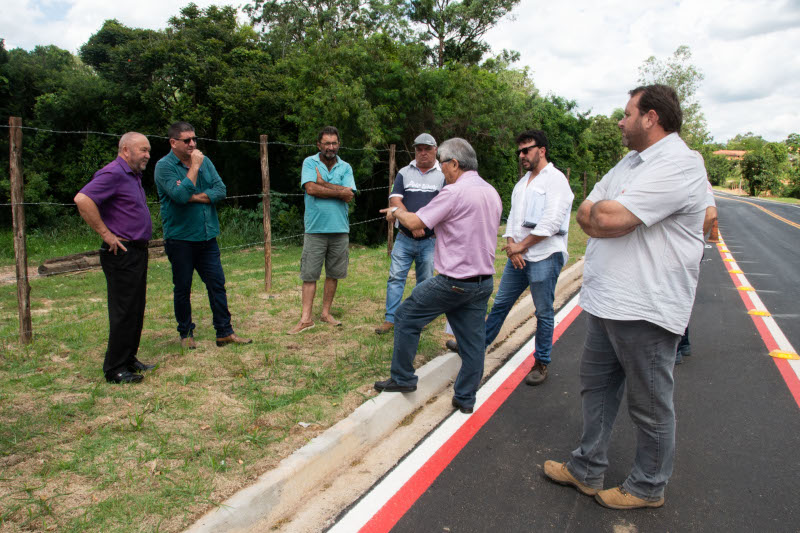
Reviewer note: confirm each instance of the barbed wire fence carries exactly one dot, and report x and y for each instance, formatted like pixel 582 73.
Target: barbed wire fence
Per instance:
pixel 18 204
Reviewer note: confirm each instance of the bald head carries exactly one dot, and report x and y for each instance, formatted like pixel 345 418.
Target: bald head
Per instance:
pixel 128 138
pixel 134 148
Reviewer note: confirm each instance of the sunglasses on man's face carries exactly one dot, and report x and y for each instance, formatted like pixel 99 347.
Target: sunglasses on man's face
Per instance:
pixel 188 141
pixel 524 151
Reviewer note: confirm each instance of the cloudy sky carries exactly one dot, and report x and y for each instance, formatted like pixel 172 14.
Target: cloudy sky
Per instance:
pixel 584 50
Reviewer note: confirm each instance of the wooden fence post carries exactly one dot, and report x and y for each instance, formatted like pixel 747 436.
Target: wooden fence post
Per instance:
pixel 392 172
pixel 18 215
pixel 569 169
pixel 265 200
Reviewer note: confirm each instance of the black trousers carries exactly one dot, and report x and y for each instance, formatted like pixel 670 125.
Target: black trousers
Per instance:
pixel 126 280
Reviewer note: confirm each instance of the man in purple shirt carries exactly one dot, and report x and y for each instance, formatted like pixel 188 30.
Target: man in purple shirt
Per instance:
pixel 466 216
pixel 113 203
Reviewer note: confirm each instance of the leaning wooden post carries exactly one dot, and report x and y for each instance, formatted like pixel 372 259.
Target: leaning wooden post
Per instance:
pixel 569 169
pixel 392 172
pixel 265 199
pixel 584 185
pixel 18 215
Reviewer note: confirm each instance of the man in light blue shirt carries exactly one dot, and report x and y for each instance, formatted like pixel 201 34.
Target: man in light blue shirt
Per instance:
pixel 328 184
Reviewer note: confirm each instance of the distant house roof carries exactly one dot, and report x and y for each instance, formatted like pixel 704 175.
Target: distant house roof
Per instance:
pixel 732 154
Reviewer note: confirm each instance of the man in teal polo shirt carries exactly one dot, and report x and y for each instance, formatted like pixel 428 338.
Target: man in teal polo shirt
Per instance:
pixel 328 184
pixel 189 188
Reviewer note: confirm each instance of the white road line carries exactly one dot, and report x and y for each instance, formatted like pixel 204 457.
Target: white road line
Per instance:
pixel 777 334
pixel 381 493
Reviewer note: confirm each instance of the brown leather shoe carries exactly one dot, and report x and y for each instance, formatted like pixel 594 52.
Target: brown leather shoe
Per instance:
pixel 386 327
pixel 537 374
pixel 187 343
pixel 558 472
pixel 233 338
pixel 619 498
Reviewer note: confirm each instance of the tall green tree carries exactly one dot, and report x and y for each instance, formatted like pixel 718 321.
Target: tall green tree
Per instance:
pixel 288 24
pixel 457 27
pixel 604 142
pixel 681 74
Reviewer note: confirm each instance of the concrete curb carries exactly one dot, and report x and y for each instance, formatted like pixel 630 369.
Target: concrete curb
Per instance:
pixel 276 493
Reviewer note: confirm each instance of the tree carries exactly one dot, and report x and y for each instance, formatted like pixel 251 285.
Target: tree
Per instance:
pixel 604 141
pixel 762 167
pixel 287 24
pixel 457 27
pixel 718 167
pixel 792 142
pixel 679 73
pixel 749 141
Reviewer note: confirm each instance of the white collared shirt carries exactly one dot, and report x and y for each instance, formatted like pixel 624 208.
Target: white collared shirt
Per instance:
pixel 551 187
pixel 651 273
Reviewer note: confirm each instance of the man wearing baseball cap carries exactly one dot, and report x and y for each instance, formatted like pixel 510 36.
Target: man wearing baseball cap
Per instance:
pixel 416 185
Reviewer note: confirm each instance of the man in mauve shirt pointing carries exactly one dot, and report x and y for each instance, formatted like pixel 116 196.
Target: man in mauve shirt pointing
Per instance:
pixel 465 216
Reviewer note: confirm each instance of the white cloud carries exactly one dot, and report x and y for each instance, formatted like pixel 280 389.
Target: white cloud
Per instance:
pixel 68 24
pixel 591 52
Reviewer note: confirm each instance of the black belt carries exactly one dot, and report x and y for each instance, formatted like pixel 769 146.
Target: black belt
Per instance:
pixel 473 279
pixel 142 244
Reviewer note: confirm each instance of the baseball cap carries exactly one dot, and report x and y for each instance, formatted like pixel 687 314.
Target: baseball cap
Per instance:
pixel 425 138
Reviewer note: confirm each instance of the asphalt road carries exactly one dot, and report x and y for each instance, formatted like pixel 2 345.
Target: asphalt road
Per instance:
pixel 738 425
pixel 768 251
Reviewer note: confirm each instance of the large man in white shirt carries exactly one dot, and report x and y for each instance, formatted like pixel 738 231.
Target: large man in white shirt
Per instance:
pixel 536 231
pixel 645 218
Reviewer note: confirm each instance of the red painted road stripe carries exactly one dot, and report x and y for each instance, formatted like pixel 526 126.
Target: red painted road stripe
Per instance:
pixel 386 518
pixel 791 379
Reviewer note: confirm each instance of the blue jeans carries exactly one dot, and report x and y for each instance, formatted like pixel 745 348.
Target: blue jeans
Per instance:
pixel 465 304
pixel 541 277
pixel 406 251
pixel 638 356
pixel 203 256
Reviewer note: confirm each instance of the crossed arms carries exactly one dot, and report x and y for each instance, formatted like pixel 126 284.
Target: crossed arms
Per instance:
pixel 606 219
pixel 323 189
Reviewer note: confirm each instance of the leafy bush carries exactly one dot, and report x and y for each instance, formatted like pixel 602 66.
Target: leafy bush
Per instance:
pixel 761 168
pixel 719 168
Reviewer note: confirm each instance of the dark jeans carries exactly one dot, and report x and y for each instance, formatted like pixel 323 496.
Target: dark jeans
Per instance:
pixel 684 345
pixel 464 304
pixel 203 256
pixel 126 283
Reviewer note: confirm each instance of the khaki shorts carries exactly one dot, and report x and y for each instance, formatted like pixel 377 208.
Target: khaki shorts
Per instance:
pixel 329 248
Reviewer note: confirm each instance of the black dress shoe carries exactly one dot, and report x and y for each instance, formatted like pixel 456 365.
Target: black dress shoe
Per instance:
pixel 391 385
pixel 465 410
pixel 124 376
pixel 138 366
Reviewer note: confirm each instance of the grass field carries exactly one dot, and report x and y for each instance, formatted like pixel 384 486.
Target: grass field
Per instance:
pixel 78 454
